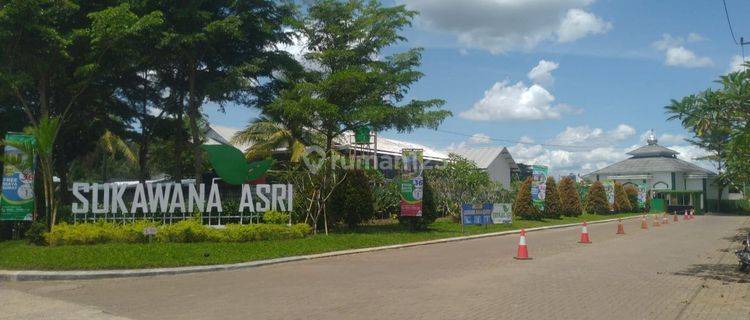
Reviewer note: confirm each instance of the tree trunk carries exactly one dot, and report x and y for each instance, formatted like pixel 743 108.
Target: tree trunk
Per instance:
pixel 62 173
pixel 179 143
pixel 143 156
pixel 193 115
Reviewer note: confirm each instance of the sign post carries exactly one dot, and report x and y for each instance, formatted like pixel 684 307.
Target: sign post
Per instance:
pixel 17 199
pixel 412 182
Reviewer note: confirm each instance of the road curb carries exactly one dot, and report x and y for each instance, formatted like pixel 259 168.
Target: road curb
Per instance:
pixel 35 275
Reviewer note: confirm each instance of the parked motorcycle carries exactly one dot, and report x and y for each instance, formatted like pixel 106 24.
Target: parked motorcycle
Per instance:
pixel 743 255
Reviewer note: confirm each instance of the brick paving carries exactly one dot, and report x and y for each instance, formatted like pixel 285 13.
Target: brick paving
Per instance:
pixel 678 271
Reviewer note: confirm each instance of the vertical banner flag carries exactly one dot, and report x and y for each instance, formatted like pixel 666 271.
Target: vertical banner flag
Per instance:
pixel 609 188
pixel 412 182
pixel 642 192
pixel 17 199
pixel 538 185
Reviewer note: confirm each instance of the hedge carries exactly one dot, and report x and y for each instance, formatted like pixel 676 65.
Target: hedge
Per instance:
pixel 180 232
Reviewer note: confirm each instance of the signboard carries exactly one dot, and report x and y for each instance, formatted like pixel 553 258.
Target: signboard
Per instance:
pixel 412 182
pixel 538 185
pixel 17 200
pixel 476 214
pixel 502 213
pixel 362 135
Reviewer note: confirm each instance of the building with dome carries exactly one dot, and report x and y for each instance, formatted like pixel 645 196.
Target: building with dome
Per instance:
pixel 678 182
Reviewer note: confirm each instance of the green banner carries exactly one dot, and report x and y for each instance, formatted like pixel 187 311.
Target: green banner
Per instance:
pixel 17 200
pixel 412 182
pixel 538 185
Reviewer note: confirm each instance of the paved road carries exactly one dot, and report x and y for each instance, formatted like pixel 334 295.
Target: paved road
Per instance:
pixel 678 271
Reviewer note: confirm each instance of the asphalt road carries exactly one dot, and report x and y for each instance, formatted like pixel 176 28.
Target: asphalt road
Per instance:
pixel 678 271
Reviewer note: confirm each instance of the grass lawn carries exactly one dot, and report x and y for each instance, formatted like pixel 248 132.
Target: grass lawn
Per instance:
pixel 18 255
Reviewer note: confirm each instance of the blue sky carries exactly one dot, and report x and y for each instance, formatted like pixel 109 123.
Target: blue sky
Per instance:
pixel 608 68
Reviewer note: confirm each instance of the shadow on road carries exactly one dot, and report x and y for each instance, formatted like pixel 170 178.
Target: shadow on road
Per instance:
pixel 739 236
pixel 720 272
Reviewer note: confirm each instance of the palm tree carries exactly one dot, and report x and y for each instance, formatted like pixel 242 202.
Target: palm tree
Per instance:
pixel 266 135
pixel 111 145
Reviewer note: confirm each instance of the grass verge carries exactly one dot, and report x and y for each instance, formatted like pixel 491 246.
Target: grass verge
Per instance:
pixel 18 255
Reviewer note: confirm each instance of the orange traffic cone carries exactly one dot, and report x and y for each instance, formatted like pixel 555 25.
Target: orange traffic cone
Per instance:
pixel 685 217
pixel 620 227
pixel 656 221
pixel 523 253
pixel 585 233
pixel 664 219
pixel 692 214
pixel 644 224
pixel 675 219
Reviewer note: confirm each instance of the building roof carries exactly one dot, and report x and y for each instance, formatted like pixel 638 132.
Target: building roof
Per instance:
pixel 641 165
pixel 653 150
pixel 216 134
pixel 391 146
pixel 483 157
pixel 223 135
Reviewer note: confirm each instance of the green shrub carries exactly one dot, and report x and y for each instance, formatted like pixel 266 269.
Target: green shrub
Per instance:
pixel 275 217
pixel 187 231
pixel 257 232
pixel 523 208
pixel 35 233
pixel 632 194
pixel 570 200
pixel 622 203
pixel 183 231
pixel 429 210
pixel 351 203
pixel 97 232
pixel 551 200
pixel 596 199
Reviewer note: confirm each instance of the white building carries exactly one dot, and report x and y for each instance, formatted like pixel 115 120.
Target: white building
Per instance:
pixel 496 161
pixel 660 169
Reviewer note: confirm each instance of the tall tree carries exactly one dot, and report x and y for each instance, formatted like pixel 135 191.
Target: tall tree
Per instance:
pixel 349 82
pixel 523 207
pixel 552 208
pixel 622 201
pixel 704 115
pixel 596 199
pixel 570 200
pixel 53 53
pixel 219 51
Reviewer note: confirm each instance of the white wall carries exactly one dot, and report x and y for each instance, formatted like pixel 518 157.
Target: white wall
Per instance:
pixel 499 171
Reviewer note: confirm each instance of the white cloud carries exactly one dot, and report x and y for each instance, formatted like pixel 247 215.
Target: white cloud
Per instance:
pixel 692 152
pixel 664 138
pixel 587 136
pixel 676 55
pixel 525 139
pixel 503 25
pixel 681 57
pixel 479 138
pixel 513 102
pixel 736 64
pixel 506 101
pixel 695 37
pixel 579 149
pixel 578 24
pixel 542 73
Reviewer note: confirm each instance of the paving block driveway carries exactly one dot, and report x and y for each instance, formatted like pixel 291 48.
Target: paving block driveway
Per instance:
pixel 679 271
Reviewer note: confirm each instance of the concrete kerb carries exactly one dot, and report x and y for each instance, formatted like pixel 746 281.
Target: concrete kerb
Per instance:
pixel 35 275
